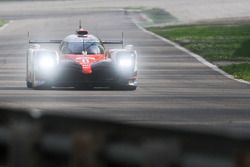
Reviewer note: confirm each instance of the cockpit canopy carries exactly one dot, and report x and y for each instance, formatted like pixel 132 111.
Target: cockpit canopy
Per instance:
pixel 77 45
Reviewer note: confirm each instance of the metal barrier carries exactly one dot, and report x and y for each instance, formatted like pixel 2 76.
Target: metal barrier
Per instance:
pixel 33 139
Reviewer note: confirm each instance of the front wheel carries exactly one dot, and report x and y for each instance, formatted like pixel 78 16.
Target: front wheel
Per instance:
pixel 83 87
pixel 39 84
pixel 29 84
pixel 123 87
pixel 129 87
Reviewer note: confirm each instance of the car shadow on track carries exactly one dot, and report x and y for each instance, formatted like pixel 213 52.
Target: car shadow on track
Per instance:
pixel 13 88
pixel 64 89
pixel 87 89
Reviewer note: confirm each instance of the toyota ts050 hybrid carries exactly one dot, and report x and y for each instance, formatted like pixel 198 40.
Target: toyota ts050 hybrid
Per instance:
pixel 81 61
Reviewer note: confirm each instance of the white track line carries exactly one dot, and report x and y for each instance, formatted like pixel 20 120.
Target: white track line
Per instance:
pixel 196 56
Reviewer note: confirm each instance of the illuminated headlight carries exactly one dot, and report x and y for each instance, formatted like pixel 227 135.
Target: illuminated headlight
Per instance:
pixel 46 62
pixel 125 62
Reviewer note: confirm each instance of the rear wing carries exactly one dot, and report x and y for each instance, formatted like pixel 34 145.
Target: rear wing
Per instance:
pixel 59 41
pixel 45 41
pixel 111 42
pixel 42 41
pixel 121 42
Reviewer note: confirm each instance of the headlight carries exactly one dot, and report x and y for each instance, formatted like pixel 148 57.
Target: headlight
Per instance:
pixel 46 62
pixel 125 62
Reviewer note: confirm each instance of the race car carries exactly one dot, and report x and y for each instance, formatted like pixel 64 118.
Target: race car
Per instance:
pixel 81 61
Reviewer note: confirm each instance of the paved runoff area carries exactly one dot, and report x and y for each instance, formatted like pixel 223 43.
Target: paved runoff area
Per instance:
pixel 174 88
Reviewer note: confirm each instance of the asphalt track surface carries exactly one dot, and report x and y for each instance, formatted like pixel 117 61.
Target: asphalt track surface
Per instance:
pixel 174 88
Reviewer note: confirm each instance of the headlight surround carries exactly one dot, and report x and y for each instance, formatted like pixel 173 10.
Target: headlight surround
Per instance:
pixel 46 62
pixel 125 62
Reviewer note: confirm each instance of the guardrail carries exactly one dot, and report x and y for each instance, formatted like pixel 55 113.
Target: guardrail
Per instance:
pixel 33 138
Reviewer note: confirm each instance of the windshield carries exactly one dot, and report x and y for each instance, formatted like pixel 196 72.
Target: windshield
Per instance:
pixel 79 47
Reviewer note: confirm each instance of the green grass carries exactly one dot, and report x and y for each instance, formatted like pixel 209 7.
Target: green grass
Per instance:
pixel 240 71
pixel 213 42
pixel 159 15
pixel 2 22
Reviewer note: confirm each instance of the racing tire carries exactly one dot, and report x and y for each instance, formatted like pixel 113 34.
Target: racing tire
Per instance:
pixel 83 87
pixel 29 84
pixel 37 86
pixel 123 87
pixel 129 87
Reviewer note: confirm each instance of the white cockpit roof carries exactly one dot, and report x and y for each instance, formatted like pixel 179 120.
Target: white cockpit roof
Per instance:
pixel 84 38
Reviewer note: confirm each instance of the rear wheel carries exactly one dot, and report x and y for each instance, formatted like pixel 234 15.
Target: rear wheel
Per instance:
pixel 130 87
pixel 29 84
pixel 123 87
